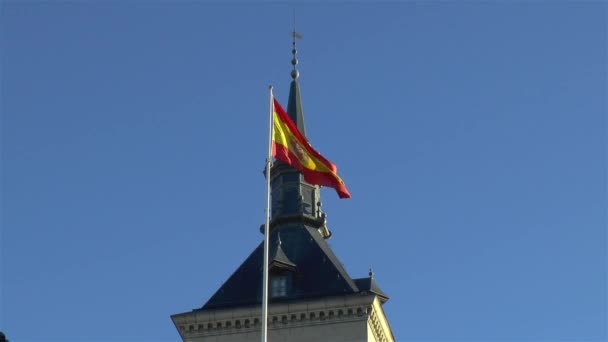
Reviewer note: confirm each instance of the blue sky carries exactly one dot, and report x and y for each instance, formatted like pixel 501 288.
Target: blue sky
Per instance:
pixel 472 136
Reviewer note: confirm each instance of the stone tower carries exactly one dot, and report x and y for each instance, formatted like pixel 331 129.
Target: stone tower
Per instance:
pixel 311 296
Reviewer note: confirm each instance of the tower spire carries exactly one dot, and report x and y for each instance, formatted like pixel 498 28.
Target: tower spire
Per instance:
pixel 295 201
pixel 294 106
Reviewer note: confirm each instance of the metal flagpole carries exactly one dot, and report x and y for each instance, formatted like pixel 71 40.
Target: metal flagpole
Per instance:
pixel 267 225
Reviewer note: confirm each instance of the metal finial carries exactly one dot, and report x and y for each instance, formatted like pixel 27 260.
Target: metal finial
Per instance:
pixel 279 240
pixel 294 51
pixel 371 273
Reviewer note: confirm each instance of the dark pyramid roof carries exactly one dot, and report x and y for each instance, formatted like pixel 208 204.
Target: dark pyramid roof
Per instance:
pixel 318 271
pixel 278 257
pixel 369 285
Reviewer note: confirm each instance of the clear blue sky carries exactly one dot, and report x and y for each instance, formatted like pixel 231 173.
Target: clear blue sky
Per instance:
pixel 472 137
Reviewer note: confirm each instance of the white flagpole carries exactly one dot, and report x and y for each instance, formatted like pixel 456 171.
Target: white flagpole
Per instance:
pixel 267 225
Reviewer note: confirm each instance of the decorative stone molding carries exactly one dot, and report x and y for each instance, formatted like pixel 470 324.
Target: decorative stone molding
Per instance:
pixel 211 327
pixel 378 323
pixel 201 324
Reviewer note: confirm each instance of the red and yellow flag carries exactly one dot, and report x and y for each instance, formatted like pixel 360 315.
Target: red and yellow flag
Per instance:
pixel 291 147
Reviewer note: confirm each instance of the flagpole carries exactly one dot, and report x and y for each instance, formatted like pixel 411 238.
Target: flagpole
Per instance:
pixel 267 224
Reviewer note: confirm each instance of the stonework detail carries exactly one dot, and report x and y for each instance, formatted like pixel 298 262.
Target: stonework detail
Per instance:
pixel 353 313
pixel 379 324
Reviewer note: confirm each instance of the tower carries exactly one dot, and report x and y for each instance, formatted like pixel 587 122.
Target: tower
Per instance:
pixel 311 296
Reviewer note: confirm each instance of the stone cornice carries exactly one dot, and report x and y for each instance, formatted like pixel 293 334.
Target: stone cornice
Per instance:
pixel 334 310
pixel 379 324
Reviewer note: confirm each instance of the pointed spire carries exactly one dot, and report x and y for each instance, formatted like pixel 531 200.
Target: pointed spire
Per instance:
pixel 293 199
pixel 279 258
pixel 294 106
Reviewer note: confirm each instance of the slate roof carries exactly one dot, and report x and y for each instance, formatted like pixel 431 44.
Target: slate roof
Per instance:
pixel 278 258
pixel 318 271
pixel 369 285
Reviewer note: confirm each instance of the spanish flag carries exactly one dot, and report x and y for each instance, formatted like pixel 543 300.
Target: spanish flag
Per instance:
pixel 291 147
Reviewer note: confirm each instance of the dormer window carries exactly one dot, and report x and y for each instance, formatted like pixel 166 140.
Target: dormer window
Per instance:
pixel 278 286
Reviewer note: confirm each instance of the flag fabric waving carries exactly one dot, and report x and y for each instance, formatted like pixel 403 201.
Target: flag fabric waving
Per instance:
pixel 291 147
